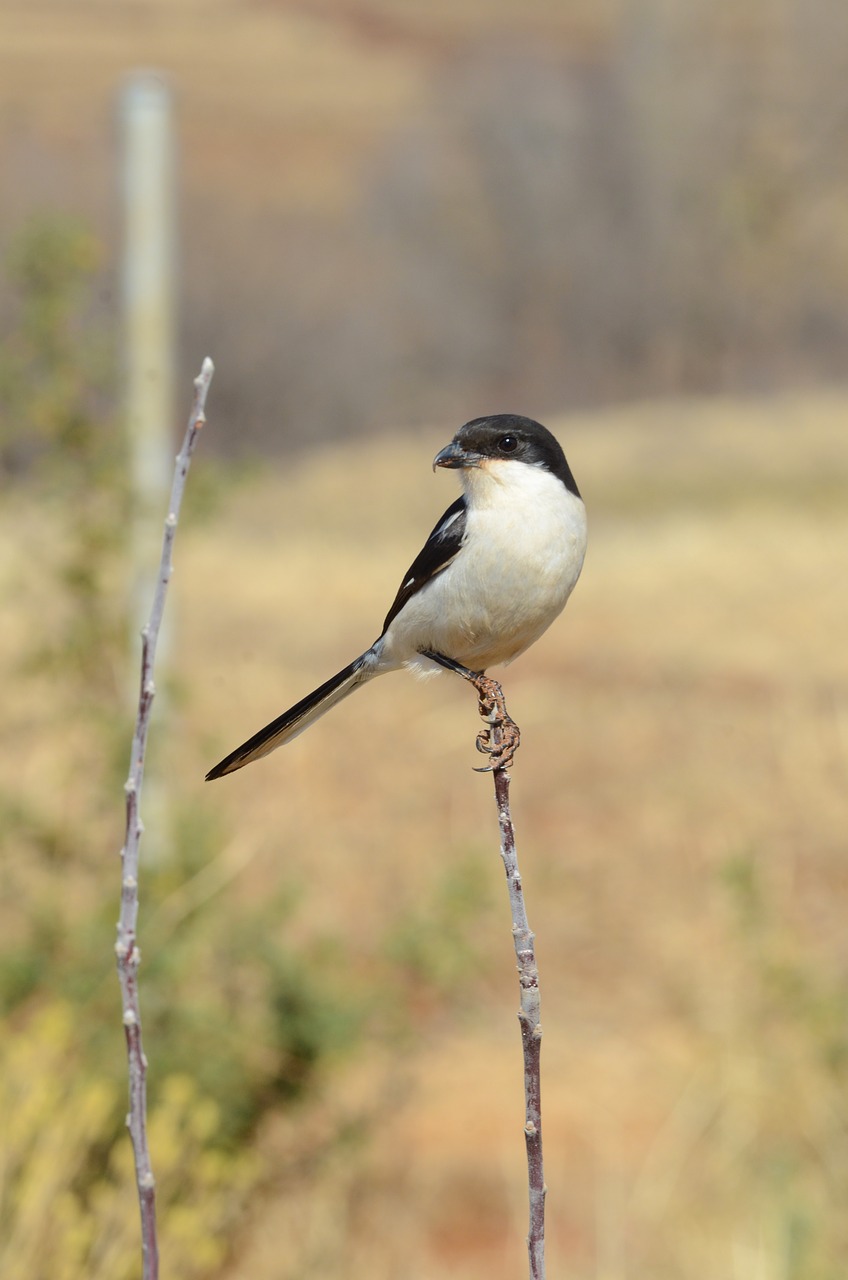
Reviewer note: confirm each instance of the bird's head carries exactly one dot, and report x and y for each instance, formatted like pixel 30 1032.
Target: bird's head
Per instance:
pixel 503 438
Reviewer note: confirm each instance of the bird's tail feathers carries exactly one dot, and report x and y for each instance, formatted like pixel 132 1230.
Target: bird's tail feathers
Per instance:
pixel 297 718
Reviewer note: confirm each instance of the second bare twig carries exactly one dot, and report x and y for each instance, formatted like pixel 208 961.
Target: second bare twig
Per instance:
pixel 126 947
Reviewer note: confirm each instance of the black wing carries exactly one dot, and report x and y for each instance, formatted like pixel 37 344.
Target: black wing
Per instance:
pixel 436 554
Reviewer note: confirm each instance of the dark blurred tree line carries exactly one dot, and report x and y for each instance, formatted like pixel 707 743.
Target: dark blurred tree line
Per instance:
pixel 665 215
pixel 658 212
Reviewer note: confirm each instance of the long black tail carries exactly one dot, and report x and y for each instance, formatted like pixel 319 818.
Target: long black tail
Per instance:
pixel 296 719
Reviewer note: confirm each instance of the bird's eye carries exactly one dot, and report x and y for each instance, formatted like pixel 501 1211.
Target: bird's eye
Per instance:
pixel 508 444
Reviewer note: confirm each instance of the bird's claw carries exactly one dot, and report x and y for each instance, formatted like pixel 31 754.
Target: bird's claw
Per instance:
pixel 500 756
pixel 501 737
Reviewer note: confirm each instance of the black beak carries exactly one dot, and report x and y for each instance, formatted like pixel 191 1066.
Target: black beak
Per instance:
pixel 453 456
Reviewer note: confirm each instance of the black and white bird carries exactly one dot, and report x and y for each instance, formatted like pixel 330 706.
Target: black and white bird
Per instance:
pixel 491 578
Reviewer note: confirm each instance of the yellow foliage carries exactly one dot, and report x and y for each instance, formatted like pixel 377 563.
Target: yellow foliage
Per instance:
pixel 68 1206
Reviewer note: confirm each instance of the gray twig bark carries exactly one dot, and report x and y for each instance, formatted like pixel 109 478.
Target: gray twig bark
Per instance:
pixel 529 1016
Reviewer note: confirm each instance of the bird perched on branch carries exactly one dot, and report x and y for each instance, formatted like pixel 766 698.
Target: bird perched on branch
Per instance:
pixel 490 579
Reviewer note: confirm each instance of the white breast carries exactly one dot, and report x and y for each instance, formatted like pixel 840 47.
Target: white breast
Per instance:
pixel 524 549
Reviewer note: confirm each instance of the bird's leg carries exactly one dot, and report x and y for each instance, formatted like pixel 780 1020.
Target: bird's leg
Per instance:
pixel 501 737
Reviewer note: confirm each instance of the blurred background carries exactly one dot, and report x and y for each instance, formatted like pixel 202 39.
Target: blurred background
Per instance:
pixel 630 220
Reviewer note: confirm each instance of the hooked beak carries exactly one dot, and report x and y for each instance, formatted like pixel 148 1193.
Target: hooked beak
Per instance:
pixel 454 456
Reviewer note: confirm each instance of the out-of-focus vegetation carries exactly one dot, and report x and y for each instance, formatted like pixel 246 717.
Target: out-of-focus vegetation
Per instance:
pixel 68 1187
pixel 55 401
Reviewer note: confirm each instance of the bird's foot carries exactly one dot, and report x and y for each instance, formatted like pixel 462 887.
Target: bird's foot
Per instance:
pixel 501 738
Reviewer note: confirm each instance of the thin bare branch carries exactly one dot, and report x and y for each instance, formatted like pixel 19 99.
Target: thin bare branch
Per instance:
pixel 126 947
pixel 493 710
pixel 500 741
pixel 529 1017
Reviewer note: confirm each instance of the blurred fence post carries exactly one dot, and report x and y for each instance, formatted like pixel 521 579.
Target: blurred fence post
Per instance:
pixel 149 364
pixel 149 327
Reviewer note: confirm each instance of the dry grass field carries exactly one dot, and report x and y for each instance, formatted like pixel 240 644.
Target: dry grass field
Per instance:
pixel 680 801
pixel 680 798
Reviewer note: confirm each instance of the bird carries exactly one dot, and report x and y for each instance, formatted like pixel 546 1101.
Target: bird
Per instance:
pixel 492 576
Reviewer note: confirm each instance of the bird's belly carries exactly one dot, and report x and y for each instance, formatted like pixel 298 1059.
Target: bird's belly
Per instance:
pixel 487 609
